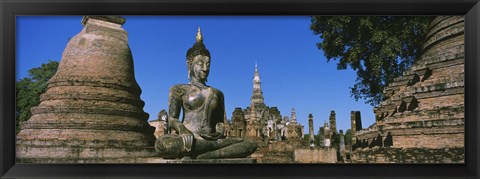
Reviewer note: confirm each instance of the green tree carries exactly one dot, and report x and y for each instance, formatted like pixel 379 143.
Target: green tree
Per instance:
pixel 306 138
pixel 29 89
pixel 378 48
pixel 348 136
pixel 335 142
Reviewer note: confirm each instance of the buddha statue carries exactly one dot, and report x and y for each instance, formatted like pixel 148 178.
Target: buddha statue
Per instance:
pixel 200 132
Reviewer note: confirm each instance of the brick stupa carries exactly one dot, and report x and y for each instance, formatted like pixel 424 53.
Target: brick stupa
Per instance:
pixel 91 111
pixel 421 119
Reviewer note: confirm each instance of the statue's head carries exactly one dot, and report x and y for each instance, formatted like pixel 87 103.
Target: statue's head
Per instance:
pixel 198 60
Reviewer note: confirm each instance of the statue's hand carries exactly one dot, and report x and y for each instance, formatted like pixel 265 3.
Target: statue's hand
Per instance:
pixel 187 142
pixel 219 128
pixel 187 137
pixel 212 136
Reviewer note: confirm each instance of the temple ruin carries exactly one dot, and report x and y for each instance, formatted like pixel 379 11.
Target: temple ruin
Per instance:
pixel 261 122
pixel 92 111
pixel 421 119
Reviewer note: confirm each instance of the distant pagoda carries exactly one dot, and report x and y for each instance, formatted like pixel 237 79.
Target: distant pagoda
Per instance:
pixel 257 96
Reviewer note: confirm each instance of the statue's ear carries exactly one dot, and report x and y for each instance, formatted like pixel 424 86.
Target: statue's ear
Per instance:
pixel 188 68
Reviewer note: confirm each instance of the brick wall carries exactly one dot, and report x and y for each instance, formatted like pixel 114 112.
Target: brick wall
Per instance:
pixel 409 155
pixel 429 141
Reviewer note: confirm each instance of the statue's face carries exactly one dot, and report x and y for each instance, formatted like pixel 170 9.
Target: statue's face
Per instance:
pixel 200 67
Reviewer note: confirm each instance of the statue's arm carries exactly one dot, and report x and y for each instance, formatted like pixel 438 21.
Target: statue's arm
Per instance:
pixel 219 113
pixel 221 117
pixel 174 109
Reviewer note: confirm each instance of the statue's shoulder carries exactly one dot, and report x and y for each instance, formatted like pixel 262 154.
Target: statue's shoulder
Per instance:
pixel 179 86
pixel 217 91
pixel 179 89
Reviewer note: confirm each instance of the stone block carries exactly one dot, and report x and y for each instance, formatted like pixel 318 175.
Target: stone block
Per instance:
pixel 316 155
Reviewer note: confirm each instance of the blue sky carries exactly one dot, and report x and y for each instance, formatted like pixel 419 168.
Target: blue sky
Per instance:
pixel 294 73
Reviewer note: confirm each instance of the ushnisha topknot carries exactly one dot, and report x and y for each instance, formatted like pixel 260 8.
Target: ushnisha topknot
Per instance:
pixel 198 48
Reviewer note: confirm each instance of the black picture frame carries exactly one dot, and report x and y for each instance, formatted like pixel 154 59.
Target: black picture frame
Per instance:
pixel 9 9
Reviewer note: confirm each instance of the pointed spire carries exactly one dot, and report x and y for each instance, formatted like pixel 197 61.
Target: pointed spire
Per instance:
pixel 257 96
pixel 199 35
pixel 256 76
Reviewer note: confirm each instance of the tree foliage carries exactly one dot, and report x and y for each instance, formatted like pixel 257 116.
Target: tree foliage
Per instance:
pixel 29 89
pixel 378 48
pixel 348 136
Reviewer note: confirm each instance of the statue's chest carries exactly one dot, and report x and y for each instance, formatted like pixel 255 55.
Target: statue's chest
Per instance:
pixel 196 99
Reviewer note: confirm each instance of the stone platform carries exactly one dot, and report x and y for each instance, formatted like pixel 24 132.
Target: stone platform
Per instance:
pixel 199 161
pixel 141 160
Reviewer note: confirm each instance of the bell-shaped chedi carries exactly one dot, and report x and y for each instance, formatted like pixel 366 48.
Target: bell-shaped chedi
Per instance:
pixel 91 111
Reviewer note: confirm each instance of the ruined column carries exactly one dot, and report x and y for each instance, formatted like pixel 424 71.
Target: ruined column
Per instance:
pixel 333 122
pixel 353 126
pixel 358 119
pixel 91 110
pixel 352 120
pixel 356 122
pixel 310 130
pixel 342 144
pixel 321 134
pixel 328 134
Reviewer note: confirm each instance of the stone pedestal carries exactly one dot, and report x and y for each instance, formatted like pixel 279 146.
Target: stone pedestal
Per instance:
pixel 92 109
pixel 214 161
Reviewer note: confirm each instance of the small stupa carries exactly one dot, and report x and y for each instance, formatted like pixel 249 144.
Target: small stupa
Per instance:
pixel 91 111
